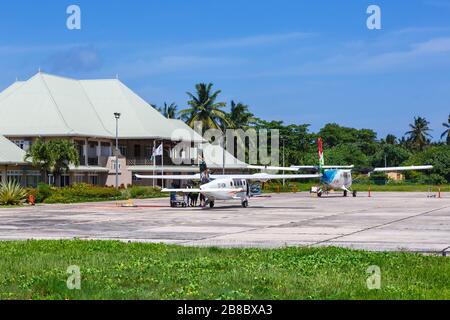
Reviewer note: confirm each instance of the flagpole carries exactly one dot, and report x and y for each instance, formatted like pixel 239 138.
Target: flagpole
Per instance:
pixel 154 161
pixel 162 164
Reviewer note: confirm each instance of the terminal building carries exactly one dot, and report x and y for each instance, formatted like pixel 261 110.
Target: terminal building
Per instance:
pixel 51 107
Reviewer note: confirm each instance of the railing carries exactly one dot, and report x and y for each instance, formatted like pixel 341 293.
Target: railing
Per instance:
pixel 142 162
pixel 148 162
pixel 94 161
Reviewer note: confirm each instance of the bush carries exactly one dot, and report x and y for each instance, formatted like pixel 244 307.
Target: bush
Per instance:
pixel 143 192
pixel 83 192
pixel 88 191
pixel 58 198
pixel 43 192
pixel 11 193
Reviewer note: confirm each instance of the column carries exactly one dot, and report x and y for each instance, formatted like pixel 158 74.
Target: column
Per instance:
pixel 85 148
pixel 99 152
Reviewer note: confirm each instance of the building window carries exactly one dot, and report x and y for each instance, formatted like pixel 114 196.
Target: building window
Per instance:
pixel 22 144
pixel 33 178
pixel 148 151
pixel 123 150
pixel 93 179
pixel 137 151
pixel 113 164
pixel 79 178
pixel 64 180
pixel 106 150
pixel 15 175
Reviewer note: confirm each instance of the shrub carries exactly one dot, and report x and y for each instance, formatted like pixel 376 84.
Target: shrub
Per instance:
pixel 88 191
pixel 82 192
pixel 57 198
pixel 11 193
pixel 44 191
pixel 143 192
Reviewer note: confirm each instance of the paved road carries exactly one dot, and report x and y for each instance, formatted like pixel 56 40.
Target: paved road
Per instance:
pixel 387 221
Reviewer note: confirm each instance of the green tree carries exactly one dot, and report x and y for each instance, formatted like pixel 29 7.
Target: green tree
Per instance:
pixel 419 135
pixel 240 117
pixel 346 154
pixel 54 156
pixel 391 139
pixel 334 135
pixel 391 154
pixel 169 111
pixel 40 156
pixel 204 108
pixel 298 142
pixel 439 157
pixel 447 131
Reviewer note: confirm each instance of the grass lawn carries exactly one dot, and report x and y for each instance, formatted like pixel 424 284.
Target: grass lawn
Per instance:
pixel 115 270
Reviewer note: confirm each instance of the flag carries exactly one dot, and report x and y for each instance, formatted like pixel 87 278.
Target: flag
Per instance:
pixel 158 151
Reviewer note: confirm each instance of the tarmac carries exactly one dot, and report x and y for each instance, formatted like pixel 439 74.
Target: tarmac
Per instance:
pixel 384 222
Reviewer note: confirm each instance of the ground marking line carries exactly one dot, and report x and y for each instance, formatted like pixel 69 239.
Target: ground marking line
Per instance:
pixel 380 225
pixel 276 226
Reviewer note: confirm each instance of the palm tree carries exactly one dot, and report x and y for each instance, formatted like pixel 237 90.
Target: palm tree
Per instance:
pixel 240 117
pixel 391 139
pixel 54 156
pixel 169 111
pixel 204 108
pixel 418 135
pixel 447 131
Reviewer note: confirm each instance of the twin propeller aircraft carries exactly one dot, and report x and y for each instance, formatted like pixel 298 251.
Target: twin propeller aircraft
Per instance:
pixel 237 186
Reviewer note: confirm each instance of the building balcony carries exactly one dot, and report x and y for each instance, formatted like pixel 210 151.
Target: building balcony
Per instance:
pixel 150 162
pixel 94 161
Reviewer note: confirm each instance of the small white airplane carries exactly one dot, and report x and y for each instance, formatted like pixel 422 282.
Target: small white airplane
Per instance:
pixel 226 187
pixel 340 177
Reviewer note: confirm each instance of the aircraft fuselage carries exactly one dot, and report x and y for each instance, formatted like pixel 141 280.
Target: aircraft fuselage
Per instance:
pixel 226 183
pixel 337 179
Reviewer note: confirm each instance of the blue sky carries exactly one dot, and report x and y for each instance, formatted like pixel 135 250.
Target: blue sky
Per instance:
pixel 299 61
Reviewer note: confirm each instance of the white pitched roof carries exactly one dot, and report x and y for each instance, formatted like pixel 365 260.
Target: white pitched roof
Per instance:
pixel 214 155
pixel 181 131
pixel 10 153
pixel 48 105
pixel 11 89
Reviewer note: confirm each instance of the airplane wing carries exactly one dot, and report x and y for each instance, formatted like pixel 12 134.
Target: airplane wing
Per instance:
pixel 230 190
pixel 324 167
pixel 410 168
pixel 254 177
pixel 272 168
pixel 266 176
pixel 170 177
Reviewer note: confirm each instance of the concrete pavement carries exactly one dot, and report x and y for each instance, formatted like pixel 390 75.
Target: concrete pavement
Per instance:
pixel 387 221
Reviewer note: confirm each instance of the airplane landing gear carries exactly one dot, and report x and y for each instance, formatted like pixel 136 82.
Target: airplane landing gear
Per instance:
pixel 211 204
pixel 355 193
pixel 345 193
pixel 244 203
pixel 320 192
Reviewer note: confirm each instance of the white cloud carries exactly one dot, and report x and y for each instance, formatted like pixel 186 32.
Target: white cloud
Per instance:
pixel 79 59
pixel 368 58
pixel 147 66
